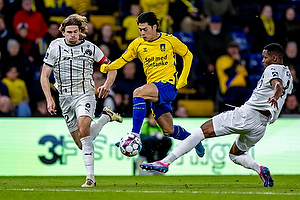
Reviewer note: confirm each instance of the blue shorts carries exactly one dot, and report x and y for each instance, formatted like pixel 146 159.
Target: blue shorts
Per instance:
pixel 167 93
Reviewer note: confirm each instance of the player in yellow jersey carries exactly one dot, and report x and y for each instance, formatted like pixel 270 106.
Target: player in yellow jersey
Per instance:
pixel 157 51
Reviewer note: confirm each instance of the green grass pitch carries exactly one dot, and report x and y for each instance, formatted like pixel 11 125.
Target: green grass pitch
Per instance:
pixel 149 187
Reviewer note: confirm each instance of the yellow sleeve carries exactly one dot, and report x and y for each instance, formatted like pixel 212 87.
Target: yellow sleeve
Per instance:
pixel 187 63
pixel 181 49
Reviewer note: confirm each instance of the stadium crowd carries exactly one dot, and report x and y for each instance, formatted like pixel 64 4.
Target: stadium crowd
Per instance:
pixel 225 36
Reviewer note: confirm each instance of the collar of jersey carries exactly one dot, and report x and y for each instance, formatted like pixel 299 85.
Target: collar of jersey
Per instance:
pixel 81 41
pixel 156 38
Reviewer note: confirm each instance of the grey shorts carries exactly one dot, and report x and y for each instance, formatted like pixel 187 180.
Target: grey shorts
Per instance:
pixel 75 106
pixel 248 123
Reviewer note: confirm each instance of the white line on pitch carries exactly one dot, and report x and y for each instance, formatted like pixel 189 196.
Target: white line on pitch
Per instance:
pixel 149 191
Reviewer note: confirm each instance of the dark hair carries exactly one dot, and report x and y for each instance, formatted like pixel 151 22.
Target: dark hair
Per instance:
pixel 53 22
pixel 148 17
pixel 275 48
pixel 9 67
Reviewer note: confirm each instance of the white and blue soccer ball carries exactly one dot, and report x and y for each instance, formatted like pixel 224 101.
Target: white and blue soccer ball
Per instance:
pixel 130 145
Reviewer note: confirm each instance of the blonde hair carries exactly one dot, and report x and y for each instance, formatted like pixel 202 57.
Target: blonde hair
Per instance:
pixel 77 20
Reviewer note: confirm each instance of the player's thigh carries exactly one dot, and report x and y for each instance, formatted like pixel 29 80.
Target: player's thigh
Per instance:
pixel 68 112
pixel 249 126
pixel 85 108
pixel 85 105
pixel 147 92
pixel 229 122
pixel 245 141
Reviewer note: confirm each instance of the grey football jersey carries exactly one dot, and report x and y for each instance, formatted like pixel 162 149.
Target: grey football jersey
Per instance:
pixel 264 90
pixel 73 65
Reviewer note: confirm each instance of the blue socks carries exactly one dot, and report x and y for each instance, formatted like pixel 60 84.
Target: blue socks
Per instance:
pixel 180 133
pixel 138 114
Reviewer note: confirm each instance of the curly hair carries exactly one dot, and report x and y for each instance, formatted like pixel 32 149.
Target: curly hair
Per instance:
pixel 75 19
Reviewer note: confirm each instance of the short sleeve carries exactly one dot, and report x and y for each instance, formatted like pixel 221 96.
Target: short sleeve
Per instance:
pixel 50 57
pixel 271 73
pixel 98 54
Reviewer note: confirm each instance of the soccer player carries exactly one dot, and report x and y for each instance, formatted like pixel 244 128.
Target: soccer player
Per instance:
pixel 156 51
pixel 248 121
pixel 71 58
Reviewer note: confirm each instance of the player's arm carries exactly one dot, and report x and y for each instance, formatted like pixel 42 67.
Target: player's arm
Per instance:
pixel 278 89
pixel 45 74
pixel 187 63
pixel 104 90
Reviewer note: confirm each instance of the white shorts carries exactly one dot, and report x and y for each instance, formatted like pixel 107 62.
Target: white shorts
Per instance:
pixel 248 123
pixel 75 106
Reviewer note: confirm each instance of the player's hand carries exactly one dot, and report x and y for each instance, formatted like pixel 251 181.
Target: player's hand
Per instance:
pixel 236 56
pixel 273 102
pixel 51 107
pixel 103 91
pixel 103 68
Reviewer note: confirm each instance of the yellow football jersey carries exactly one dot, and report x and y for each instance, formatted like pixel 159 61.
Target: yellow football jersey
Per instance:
pixel 158 57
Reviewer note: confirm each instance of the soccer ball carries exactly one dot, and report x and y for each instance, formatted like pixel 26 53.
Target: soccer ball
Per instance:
pixel 130 145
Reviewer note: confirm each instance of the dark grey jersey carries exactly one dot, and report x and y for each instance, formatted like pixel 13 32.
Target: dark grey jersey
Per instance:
pixel 73 65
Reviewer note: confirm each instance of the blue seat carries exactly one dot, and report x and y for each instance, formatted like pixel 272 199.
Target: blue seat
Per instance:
pixel 254 78
pixel 187 38
pixel 240 37
pixel 255 63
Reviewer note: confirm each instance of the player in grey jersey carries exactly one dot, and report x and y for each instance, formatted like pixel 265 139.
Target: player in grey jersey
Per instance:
pixel 71 58
pixel 248 121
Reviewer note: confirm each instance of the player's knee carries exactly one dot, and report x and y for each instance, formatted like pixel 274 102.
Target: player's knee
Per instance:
pixel 137 92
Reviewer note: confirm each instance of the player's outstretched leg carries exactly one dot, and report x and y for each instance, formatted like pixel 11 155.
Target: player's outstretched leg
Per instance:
pixel 89 183
pixel 112 115
pixel 181 134
pixel 157 166
pixel 107 116
pixel 266 176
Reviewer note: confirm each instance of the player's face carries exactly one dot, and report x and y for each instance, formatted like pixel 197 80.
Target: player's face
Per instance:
pixel 267 58
pixel 148 32
pixel 72 34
